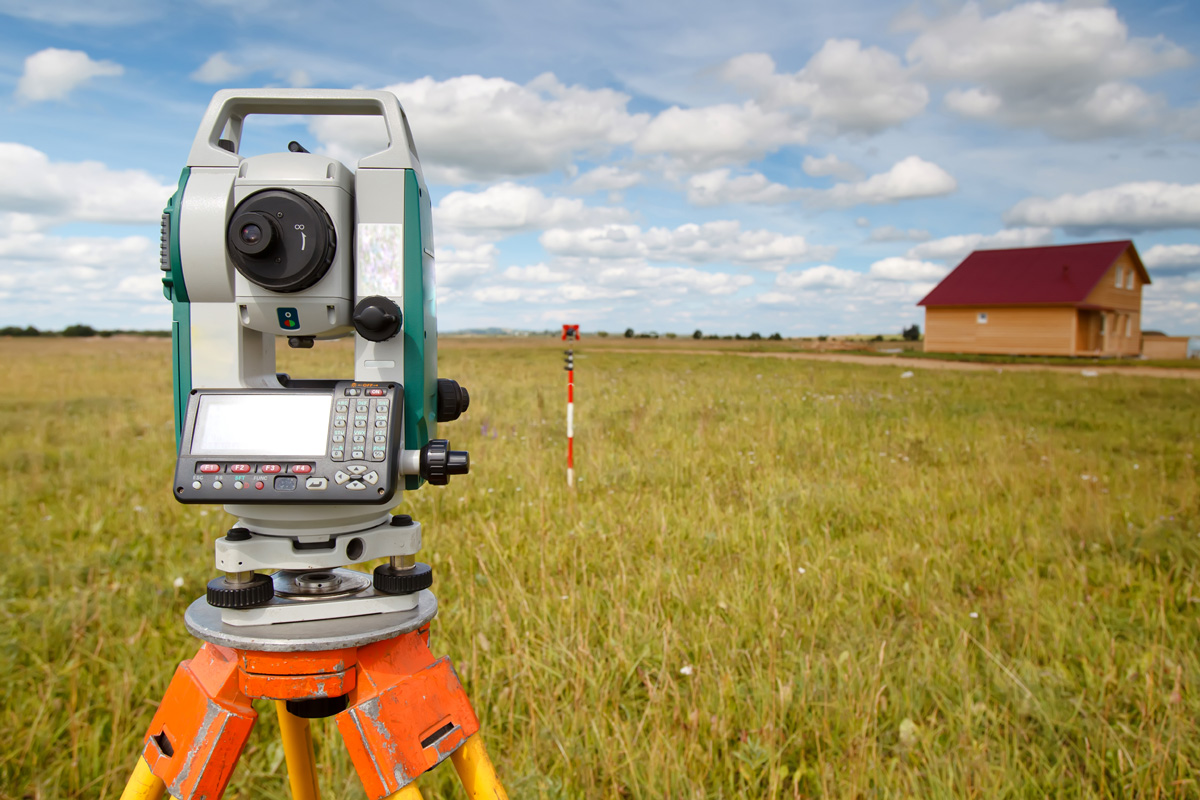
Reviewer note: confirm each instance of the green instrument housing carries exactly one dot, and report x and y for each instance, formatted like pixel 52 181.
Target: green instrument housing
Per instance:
pixel 175 290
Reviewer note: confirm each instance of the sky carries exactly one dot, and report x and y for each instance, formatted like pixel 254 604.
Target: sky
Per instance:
pixel 797 167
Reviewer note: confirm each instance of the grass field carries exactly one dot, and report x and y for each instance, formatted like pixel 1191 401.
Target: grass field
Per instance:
pixel 776 578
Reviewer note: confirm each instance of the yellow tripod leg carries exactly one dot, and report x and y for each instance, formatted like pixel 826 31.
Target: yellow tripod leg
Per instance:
pixel 298 753
pixel 476 772
pixel 143 784
pixel 410 792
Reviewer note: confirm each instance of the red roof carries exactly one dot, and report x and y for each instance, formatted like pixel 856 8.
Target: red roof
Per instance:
pixel 1058 275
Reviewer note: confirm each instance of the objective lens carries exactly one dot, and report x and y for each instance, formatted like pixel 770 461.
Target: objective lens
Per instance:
pixel 251 234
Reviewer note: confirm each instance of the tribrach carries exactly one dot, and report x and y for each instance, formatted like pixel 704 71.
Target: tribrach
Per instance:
pixel 296 245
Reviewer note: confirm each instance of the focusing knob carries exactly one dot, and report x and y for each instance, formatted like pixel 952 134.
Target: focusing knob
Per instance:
pixel 439 462
pixel 223 594
pixel 377 319
pixel 452 400
pixel 390 580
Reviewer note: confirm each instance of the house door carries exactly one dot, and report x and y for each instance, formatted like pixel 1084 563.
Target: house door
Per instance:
pixel 1089 332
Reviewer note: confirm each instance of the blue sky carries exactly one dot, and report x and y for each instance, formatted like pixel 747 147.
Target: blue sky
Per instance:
pixel 806 168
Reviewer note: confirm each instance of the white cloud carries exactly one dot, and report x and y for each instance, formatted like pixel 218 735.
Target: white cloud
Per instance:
pixel 1172 259
pixel 84 253
pixel 218 69
pixel 536 273
pixel 897 268
pixel 958 247
pixel 76 278
pixel 710 242
pixel 831 165
pixel 629 281
pixel 605 179
pixel 825 276
pixel 844 85
pixel 50 192
pixel 83 12
pixel 502 294
pixel 457 267
pixel 720 186
pixel 1171 304
pixel 712 136
pixel 775 299
pixel 890 233
pixel 1060 67
pixel 510 208
pixel 471 128
pixel 52 74
pixel 675 279
pixel 1132 207
pixel 910 178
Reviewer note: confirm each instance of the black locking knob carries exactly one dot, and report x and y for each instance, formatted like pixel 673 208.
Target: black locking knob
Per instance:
pixel 377 319
pixel 256 592
pixel 390 580
pixel 439 462
pixel 452 400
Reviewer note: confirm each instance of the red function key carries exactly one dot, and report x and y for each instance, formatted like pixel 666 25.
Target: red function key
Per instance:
pixel 239 468
pixel 301 469
pixel 376 392
pixel 271 469
pixel 259 484
pixel 210 467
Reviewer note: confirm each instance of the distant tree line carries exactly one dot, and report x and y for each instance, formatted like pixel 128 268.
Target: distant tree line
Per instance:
pixel 911 333
pixel 630 333
pixel 77 330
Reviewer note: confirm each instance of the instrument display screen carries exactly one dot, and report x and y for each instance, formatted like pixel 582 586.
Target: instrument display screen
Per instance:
pixel 276 424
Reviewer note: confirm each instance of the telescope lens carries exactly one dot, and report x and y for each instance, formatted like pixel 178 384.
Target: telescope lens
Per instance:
pixel 251 234
pixel 281 240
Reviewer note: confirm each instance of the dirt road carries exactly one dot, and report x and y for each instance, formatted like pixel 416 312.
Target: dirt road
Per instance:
pixel 930 363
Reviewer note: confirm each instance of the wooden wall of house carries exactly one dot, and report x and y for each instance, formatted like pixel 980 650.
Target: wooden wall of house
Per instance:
pixel 1165 347
pixel 1124 334
pixel 1123 322
pixel 1011 330
pixel 1107 294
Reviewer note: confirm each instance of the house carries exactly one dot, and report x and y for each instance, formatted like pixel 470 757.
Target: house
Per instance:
pixel 1065 300
pixel 1159 345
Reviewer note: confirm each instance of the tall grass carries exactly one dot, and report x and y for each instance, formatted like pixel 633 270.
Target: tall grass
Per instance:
pixel 774 579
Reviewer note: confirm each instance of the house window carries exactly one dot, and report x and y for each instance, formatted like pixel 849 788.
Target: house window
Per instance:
pixel 1129 280
pixel 1120 276
pixel 1103 324
pixel 981 318
pixel 1128 327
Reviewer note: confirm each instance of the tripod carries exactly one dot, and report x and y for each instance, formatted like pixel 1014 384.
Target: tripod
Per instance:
pixel 399 710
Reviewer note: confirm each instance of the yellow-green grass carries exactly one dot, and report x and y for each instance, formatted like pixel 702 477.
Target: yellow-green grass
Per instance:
pixel 953 585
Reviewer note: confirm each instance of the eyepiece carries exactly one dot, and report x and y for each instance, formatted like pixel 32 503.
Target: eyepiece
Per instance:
pixel 281 240
pixel 251 233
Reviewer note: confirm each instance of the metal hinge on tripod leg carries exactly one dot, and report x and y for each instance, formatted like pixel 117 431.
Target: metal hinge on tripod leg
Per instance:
pixel 408 713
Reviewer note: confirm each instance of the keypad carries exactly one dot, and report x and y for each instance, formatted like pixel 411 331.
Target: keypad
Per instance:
pixel 360 415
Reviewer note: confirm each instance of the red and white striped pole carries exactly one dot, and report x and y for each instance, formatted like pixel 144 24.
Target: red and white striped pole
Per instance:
pixel 571 331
